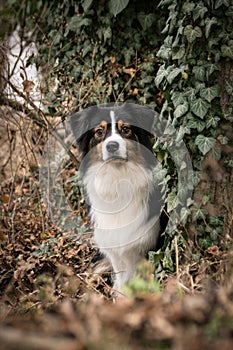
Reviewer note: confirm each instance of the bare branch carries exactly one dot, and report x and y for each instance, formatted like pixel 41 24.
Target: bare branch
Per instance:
pixel 41 119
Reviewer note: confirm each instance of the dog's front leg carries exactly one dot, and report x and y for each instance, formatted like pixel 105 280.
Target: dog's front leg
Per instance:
pixel 124 266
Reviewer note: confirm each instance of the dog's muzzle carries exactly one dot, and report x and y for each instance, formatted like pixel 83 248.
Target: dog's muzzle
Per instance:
pixel 114 147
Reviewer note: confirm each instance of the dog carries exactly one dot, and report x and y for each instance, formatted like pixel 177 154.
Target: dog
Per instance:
pixel 116 167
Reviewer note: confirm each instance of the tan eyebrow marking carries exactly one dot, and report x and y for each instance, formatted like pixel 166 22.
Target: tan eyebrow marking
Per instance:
pixel 102 125
pixel 121 124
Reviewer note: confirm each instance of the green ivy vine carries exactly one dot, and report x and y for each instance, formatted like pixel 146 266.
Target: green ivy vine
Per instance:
pixel 198 43
pixel 195 75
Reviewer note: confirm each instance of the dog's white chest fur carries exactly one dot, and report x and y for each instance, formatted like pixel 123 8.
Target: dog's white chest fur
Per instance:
pixel 119 193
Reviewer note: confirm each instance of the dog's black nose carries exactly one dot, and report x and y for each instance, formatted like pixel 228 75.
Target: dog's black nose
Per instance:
pixel 112 146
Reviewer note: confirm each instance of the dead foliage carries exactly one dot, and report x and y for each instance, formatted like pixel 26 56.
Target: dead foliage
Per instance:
pixel 51 297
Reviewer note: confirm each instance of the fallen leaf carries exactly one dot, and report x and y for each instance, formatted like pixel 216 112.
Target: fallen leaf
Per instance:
pixel 28 85
pixel 130 71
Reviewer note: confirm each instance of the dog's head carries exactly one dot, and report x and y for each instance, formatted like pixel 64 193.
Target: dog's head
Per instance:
pixel 117 134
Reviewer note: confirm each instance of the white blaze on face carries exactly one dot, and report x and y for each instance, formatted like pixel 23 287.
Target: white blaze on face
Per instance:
pixel 113 122
pixel 114 146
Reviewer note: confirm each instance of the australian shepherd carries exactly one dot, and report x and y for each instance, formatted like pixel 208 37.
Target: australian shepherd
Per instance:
pixel 115 145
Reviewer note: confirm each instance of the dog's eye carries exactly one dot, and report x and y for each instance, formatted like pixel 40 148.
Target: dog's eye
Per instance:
pixel 125 129
pixel 99 132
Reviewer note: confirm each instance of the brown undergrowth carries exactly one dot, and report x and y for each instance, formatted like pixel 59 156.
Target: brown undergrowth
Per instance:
pixel 51 296
pixel 52 299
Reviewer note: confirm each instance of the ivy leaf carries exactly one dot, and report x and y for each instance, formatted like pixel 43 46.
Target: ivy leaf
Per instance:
pixel 188 7
pixel 195 123
pixel 223 140
pixel 184 214
pixel 178 98
pixel 181 110
pixel 115 7
pixel 172 201
pixel 210 93
pixel 86 4
pixel 173 74
pixel 204 143
pixel 86 50
pixel 192 33
pixel 219 3
pixel 199 11
pixel 77 22
pixel 211 68
pixel 161 74
pixel 146 21
pixel 164 52
pixel 199 107
pixel 209 22
pixel 229 11
pixel 199 72
pixel 229 87
pixel 227 51
pixel 190 93
pixel 165 2
pixel 107 33
pixel 179 53
pixel 212 122
pixel 179 136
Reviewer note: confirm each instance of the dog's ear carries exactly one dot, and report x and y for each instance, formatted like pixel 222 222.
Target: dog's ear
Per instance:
pixel 142 116
pixel 83 121
pixel 79 125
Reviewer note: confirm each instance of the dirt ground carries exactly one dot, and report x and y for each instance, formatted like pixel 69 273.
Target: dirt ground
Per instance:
pixel 51 296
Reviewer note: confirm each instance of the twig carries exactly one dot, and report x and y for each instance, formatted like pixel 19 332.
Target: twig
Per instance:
pixel 16 339
pixel 176 254
pixel 43 120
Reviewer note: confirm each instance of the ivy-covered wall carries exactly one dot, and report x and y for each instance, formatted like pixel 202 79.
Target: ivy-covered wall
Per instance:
pixel 196 77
